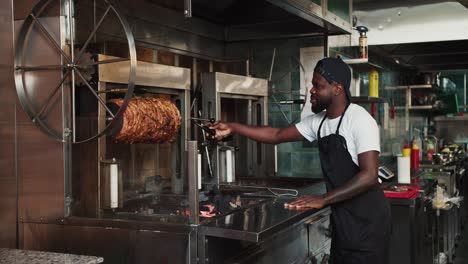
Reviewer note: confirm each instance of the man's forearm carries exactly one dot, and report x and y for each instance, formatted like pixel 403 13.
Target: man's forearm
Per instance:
pixel 354 187
pixel 258 133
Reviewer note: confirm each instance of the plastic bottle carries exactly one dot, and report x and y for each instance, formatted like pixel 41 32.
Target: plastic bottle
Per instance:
pixel 418 141
pixel 373 83
pixel 406 151
pixel 415 157
pixel 429 148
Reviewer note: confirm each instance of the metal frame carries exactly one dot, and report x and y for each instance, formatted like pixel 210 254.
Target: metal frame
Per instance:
pixel 217 86
pixel 71 66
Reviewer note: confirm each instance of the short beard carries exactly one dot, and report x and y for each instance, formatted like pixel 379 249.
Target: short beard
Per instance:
pixel 321 105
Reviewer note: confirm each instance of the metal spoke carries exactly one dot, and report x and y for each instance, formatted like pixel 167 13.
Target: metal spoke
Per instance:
pixel 94 93
pixel 91 35
pixel 51 39
pixel 41 67
pixel 52 95
pixel 102 62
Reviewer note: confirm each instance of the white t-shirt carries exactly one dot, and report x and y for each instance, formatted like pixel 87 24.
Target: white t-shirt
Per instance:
pixel 358 128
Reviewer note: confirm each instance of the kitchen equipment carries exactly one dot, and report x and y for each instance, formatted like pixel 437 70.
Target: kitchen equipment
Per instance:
pixel 235 98
pixel 152 180
pixel 73 68
pixel 385 173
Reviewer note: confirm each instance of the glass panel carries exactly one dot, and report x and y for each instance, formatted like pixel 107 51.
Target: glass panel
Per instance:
pixel 236 110
pixel 318 2
pixel 339 8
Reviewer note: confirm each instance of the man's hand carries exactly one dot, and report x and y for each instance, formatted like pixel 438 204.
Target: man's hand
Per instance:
pixel 306 202
pixel 222 129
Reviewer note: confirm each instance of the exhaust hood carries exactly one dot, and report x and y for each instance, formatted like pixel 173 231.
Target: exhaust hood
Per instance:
pixel 317 14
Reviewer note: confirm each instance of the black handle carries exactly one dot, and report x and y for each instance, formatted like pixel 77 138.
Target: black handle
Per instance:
pixel 209 131
pixel 227 139
pixel 362 29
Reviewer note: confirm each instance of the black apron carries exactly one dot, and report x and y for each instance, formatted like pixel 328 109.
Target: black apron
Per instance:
pixel 360 226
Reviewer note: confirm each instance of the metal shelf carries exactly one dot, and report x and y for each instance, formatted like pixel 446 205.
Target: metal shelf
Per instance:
pixel 399 87
pixel 356 61
pixel 420 86
pixel 415 107
pixel 404 87
pixel 421 107
pixel 451 118
pixel 368 99
pixel 361 65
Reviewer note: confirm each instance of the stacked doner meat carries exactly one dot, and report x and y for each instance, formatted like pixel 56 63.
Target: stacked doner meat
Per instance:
pixel 149 120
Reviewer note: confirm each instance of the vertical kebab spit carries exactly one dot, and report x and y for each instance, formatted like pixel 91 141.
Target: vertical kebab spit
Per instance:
pixel 148 120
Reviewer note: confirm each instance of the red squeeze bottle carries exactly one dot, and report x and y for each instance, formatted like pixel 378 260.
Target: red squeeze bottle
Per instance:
pixel 415 157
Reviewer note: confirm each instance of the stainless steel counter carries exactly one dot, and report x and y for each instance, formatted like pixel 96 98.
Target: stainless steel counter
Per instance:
pixel 257 223
pixel 267 233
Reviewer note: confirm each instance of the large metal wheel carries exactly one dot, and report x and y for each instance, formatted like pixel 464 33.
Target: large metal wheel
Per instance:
pixel 40 101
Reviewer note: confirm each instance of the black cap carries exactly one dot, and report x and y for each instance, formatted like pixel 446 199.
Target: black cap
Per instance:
pixel 336 70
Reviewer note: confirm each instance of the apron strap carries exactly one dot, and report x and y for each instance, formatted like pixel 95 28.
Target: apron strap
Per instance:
pixel 320 127
pixel 339 123
pixel 341 119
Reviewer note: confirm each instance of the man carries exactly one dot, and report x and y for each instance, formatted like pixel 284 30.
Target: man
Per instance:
pixel 348 139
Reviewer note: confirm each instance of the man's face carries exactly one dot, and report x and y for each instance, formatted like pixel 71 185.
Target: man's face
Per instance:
pixel 321 93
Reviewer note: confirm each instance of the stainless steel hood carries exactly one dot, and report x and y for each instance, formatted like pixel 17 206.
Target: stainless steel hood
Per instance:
pixel 316 14
pixel 367 5
pixel 265 19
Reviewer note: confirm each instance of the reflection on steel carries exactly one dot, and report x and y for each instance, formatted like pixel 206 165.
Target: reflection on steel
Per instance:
pixel 235 84
pixel 148 74
pixel 52 95
pixel 51 39
pixel 72 65
pixel 188 8
pixel 248 225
